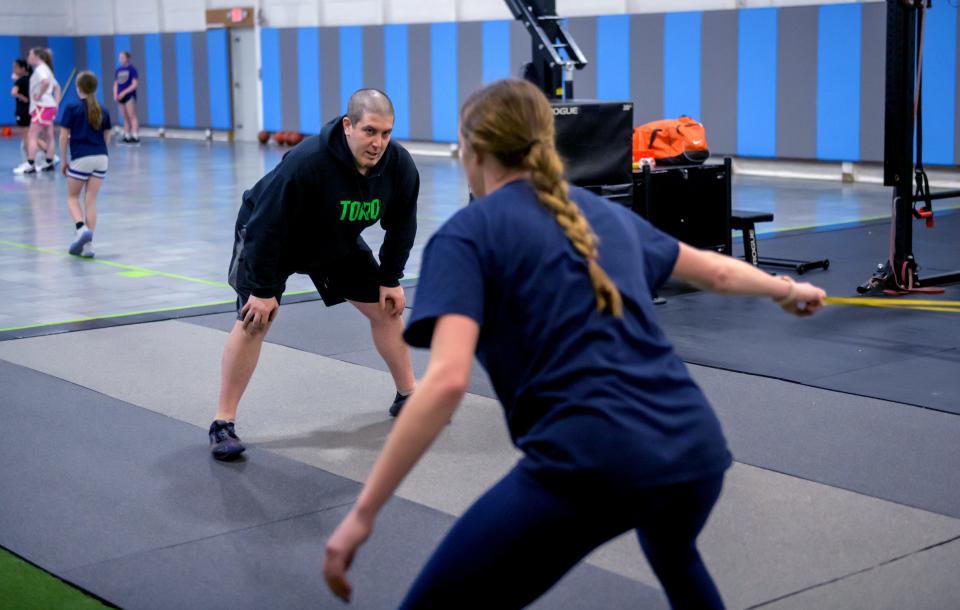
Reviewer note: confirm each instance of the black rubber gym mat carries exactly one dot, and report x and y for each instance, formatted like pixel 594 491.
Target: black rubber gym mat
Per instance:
pixel 903 356
pixel 278 565
pixel 127 504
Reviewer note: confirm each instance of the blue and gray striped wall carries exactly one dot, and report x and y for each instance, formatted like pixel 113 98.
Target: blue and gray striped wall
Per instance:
pixel 426 69
pixel 800 82
pixel 184 76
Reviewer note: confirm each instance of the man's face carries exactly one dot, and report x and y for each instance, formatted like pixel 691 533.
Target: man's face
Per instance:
pixel 368 138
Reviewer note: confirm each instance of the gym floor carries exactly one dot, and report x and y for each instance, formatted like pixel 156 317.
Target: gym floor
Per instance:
pixel 845 493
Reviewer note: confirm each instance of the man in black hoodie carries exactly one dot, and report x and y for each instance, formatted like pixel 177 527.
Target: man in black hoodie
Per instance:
pixel 306 216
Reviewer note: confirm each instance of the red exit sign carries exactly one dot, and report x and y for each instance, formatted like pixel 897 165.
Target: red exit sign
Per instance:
pixel 241 16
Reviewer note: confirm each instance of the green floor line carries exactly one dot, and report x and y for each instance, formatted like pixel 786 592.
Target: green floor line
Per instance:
pixel 161 310
pixel 138 313
pixel 26 587
pixel 136 274
pixel 132 270
pixel 116 315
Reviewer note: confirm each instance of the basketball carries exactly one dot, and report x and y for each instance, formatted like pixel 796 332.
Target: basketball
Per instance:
pixel 280 137
pixel 7 132
pixel 264 137
pixel 296 138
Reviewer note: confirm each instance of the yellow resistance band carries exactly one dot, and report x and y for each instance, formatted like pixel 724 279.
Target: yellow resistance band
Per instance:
pixel 63 90
pixel 915 304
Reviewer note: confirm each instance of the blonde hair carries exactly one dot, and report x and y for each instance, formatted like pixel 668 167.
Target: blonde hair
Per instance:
pixel 512 121
pixel 87 84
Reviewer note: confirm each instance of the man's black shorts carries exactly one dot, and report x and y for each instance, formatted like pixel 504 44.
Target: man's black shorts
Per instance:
pixel 352 278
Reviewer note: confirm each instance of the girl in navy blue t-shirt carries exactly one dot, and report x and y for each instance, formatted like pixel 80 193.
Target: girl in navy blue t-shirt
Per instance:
pixel 85 126
pixel 126 80
pixel 551 289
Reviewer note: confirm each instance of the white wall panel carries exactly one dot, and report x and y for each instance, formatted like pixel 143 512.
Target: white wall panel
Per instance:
pixel 481 10
pixel 351 12
pixel 578 8
pixel 35 25
pixel 182 15
pixel 657 6
pixel 184 20
pixel 35 17
pixel 291 13
pixel 752 3
pixel 94 17
pixel 139 18
pixel 418 11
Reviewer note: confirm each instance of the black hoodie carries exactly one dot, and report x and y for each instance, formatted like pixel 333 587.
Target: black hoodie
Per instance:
pixel 309 211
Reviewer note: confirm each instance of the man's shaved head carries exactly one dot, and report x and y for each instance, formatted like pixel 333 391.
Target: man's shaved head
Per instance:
pixel 368 101
pixel 368 127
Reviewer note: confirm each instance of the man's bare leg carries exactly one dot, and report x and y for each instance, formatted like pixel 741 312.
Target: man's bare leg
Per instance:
pixel 240 356
pixel 387 331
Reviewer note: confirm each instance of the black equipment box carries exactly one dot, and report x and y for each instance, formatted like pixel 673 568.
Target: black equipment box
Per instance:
pixel 691 203
pixel 595 141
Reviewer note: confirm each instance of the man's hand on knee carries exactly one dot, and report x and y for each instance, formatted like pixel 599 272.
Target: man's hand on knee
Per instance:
pixel 258 313
pixel 392 300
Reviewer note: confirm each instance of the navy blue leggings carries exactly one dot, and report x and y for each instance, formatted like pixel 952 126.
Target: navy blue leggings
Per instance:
pixel 522 536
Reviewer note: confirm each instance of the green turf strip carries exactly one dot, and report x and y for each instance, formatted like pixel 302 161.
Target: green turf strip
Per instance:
pixel 25 587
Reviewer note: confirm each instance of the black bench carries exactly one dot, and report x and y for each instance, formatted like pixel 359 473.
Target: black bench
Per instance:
pixel 745 220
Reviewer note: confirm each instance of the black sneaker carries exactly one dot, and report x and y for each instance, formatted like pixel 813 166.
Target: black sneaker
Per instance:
pixel 398 402
pixel 224 443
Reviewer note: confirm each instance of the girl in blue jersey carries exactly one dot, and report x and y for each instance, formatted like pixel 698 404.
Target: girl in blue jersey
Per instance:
pixel 551 287
pixel 126 80
pixel 85 127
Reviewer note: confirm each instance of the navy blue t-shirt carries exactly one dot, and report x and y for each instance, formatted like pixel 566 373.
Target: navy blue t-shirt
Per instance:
pixel 588 397
pixel 124 76
pixel 84 139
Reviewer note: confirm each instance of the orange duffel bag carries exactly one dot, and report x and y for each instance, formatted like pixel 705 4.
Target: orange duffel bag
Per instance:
pixel 680 141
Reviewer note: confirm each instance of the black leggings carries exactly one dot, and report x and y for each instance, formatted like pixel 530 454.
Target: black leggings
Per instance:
pixel 521 537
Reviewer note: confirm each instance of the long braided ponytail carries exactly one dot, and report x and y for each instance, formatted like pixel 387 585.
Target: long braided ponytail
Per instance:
pixel 546 174
pixel 512 120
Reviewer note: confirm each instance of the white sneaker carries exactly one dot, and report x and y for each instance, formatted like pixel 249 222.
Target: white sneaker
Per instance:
pixel 84 236
pixel 87 251
pixel 48 165
pixel 25 168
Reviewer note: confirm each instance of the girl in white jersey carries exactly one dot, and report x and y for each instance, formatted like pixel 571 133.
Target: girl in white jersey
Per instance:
pixel 44 93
